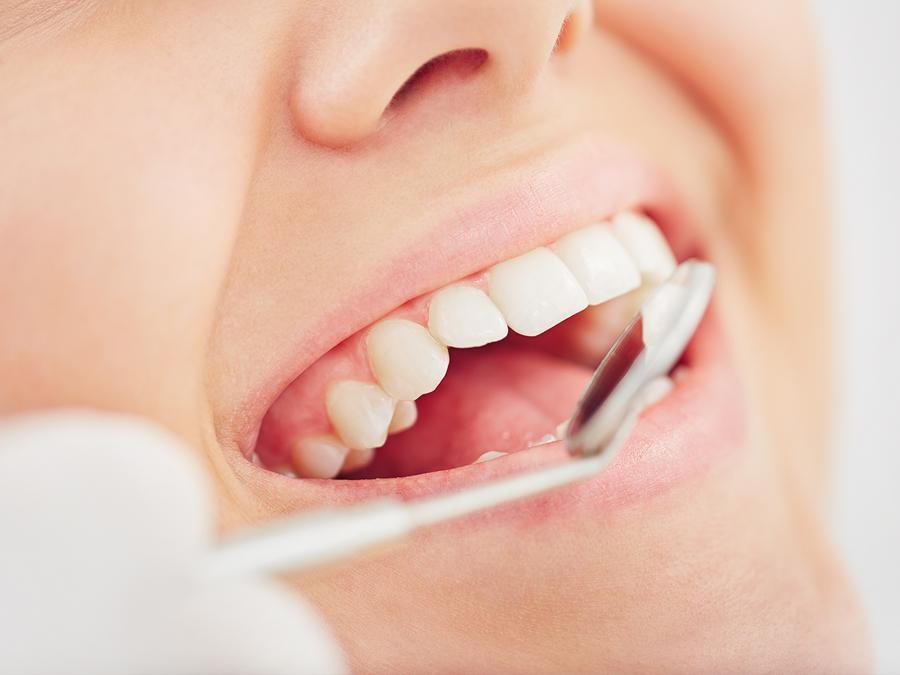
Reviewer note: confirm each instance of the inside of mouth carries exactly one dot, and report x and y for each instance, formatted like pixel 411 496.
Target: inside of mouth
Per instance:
pixel 500 398
pixel 503 397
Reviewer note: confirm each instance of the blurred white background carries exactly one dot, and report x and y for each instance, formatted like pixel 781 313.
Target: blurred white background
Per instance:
pixel 862 54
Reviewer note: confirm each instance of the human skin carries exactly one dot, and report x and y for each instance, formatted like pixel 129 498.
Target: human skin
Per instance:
pixel 184 184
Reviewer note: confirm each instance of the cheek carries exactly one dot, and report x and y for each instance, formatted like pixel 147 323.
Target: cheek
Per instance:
pixel 745 62
pixel 761 90
pixel 122 226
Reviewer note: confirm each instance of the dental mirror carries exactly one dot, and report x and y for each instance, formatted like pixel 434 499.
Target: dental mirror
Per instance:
pixel 648 348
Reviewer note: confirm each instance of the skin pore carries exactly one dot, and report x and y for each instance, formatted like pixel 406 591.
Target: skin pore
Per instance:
pixel 188 187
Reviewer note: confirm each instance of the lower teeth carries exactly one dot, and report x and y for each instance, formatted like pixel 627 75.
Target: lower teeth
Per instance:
pixel 489 455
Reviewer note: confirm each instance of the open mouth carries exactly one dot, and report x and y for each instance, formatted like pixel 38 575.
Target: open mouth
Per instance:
pixel 489 365
pixel 459 362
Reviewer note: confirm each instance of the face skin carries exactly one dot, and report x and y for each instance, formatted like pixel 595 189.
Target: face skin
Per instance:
pixel 189 187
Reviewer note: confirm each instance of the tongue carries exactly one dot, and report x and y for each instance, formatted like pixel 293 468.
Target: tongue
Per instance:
pixel 501 398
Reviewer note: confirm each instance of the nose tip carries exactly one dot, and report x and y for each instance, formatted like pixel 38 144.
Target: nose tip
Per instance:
pixel 335 121
pixel 348 77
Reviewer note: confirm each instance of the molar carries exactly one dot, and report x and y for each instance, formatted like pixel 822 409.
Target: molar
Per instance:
pixel 464 316
pixel 646 244
pixel 599 262
pixel 360 413
pixel 318 456
pixel 406 360
pixel 357 459
pixel 535 291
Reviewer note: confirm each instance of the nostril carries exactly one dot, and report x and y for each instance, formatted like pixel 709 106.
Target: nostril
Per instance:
pixel 565 32
pixel 573 26
pixel 337 116
pixel 454 66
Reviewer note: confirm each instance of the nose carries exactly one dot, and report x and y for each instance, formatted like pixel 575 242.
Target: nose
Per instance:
pixel 356 56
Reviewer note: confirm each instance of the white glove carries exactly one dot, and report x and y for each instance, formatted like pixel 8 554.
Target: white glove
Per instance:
pixel 105 523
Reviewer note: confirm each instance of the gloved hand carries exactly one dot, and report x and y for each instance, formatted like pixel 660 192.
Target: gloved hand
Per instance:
pixel 104 526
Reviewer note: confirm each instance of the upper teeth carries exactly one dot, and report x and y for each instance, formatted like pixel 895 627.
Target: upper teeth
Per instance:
pixel 535 291
pixel 360 413
pixel 647 246
pixel 529 293
pixel 406 360
pixel 463 316
pixel 599 262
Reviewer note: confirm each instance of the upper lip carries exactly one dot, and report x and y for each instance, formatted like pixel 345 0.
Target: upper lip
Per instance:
pixel 536 203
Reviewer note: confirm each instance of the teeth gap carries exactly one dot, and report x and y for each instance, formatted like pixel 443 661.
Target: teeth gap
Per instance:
pixel 528 294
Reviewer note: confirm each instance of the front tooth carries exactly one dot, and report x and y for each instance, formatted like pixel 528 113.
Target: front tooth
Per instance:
pixel 360 413
pixel 405 415
pixel 646 244
pixel 599 262
pixel 318 456
pixel 406 360
pixel 463 316
pixel 535 291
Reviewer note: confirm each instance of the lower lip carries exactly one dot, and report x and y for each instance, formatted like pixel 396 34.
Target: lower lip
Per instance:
pixel 698 424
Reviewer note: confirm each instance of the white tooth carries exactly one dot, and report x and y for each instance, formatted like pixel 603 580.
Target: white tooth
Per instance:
pixel 285 470
pixel 405 415
pixel 654 391
pixel 543 440
pixel 489 455
pixel 464 316
pixel 357 459
pixel 360 413
pixel 406 360
pixel 318 456
pixel 599 262
pixel 535 291
pixel 562 429
pixel 646 244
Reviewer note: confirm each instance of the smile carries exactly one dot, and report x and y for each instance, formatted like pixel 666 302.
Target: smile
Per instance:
pixel 474 377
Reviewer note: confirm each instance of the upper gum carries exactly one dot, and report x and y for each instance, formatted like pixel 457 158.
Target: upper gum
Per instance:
pixel 416 309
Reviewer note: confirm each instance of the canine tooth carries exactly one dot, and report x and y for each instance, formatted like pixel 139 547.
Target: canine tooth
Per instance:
pixel 535 291
pixel 357 459
pixel 405 415
pixel 646 244
pixel 318 456
pixel 599 262
pixel 406 360
pixel 464 316
pixel 360 413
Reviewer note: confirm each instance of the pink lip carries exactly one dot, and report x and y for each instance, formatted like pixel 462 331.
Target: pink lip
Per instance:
pixel 699 422
pixel 533 206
